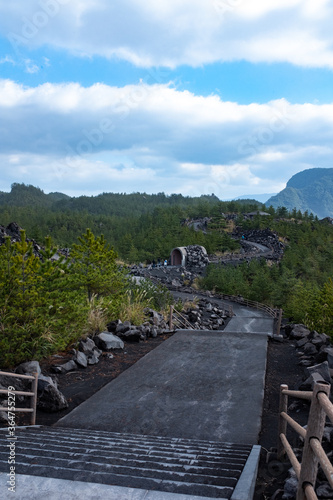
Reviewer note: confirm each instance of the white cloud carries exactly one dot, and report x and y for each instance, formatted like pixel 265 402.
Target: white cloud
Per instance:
pixel 175 32
pixel 155 138
pixel 31 67
pixel 7 60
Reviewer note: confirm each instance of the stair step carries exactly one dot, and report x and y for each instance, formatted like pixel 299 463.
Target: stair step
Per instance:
pixel 173 456
pixel 194 467
pixel 111 448
pixel 146 483
pixel 91 435
pixel 184 466
pixel 146 445
pixel 82 461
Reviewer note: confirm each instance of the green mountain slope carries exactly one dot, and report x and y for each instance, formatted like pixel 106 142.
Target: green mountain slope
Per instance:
pixel 23 195
pixel 310 190
pixel 109 204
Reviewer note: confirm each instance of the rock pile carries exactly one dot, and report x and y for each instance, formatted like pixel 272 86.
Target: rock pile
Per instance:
pixel 198 224
pixel 196 256
pixel 117 333
pixel 313 347
pixel 49 398
pixel 12 231
pixel 264 237
pixel 173 278
pixel 155 325
pixel 204 315
pixel 87 354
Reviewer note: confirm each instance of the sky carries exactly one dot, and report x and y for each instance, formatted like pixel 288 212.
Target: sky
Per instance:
pixel 230 97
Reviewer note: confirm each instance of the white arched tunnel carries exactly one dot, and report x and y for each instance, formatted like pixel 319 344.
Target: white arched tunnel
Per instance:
pixel 178 256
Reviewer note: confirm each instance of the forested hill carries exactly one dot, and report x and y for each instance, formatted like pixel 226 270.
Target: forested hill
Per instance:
pixel 120 204
pixel 310 190
pixel 22 195
pixel 139 226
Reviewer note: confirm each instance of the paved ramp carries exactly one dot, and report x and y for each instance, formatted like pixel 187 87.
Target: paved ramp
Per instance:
pixel 248 320
pixel 197 385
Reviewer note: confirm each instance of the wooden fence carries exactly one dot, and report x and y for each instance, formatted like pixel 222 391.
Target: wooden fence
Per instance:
pixel 32 394
pixel 313 452
pixel 251 303
pixel 178 319
pixel 274 313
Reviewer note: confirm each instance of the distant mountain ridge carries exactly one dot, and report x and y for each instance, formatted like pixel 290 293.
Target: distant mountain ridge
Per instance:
pixel 262 198
pixel 118 204
pixel 22 195
pixel 310 190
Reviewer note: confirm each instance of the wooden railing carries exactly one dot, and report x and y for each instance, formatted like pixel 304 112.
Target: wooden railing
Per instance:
pixel 313 452
pixel 176 318
pixel 32 394
pixel 251 303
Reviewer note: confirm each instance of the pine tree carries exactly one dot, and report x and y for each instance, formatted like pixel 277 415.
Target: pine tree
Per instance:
pixel 93 266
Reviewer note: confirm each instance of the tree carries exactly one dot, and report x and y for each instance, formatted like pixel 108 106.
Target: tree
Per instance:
pixel 282 212
pixel 320 312
pixel 38 314
pixel 93 266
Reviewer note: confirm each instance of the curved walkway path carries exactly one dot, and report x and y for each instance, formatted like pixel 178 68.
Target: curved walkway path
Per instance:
pixel 258 252
pixel 248 320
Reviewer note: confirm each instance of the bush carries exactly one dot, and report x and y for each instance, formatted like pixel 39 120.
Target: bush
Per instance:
pixel 156 296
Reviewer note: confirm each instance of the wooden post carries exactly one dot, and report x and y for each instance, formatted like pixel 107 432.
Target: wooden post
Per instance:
pixel 283 407
pixel 315 429
pixel 170 317
pixel 278 327
pixel 34 399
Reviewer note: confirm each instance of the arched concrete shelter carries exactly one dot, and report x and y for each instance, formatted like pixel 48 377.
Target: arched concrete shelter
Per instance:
pixel 178 256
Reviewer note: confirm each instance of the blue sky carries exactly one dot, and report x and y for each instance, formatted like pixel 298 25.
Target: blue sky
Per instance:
pixel 225 96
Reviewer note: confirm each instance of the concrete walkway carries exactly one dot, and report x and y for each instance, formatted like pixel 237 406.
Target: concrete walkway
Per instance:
pixel 198 384
pixel 249 320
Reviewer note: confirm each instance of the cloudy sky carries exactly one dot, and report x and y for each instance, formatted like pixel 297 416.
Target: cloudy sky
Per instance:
pixel 230 97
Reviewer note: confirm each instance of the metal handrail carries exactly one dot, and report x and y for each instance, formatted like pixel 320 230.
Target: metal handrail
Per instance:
pixel 32 394
pixel 313 452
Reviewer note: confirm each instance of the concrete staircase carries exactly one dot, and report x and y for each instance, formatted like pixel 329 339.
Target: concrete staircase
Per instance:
pixel 180 466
